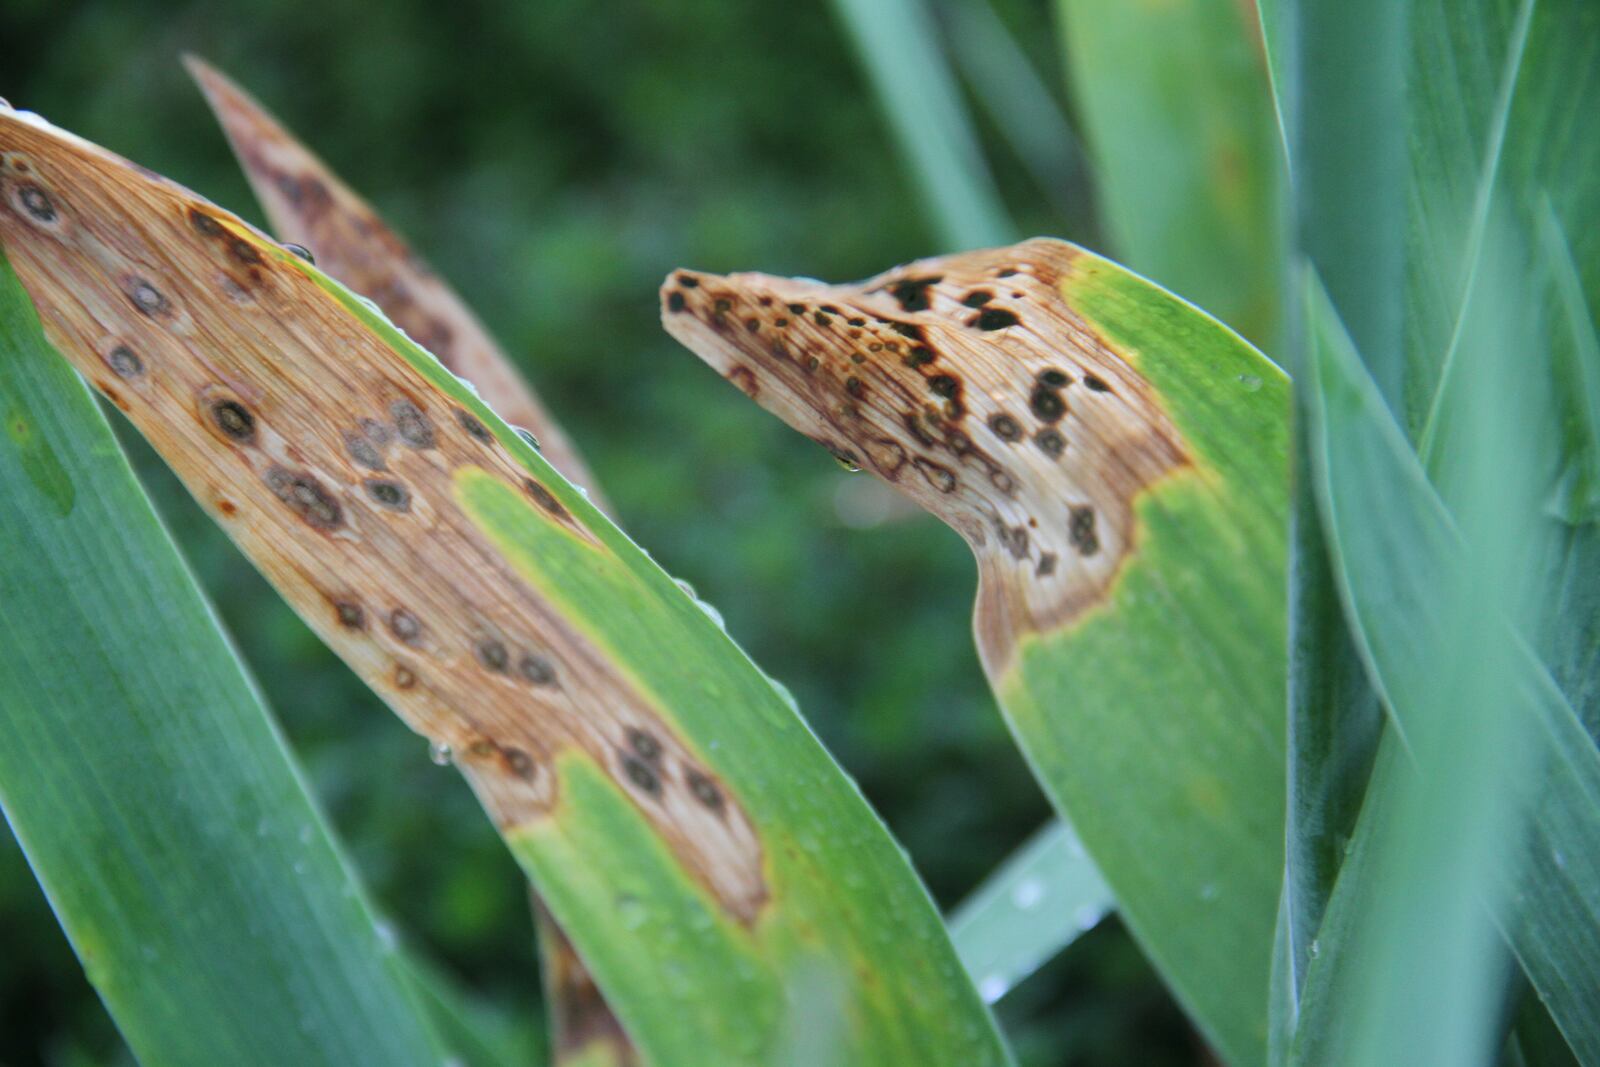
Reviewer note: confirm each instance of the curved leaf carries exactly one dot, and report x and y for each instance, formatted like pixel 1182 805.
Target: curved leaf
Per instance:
pixel 151 791
pixel 1117 461
pixel 724 881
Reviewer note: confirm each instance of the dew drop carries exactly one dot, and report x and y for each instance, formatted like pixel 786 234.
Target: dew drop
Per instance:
pixel 1027 894
pixel 302 251
pixel 1087 916
pixel 527 435
pixel 1316 949
pixel 440 753
pixel 992 988
pixel 631 911
pixel 1250 381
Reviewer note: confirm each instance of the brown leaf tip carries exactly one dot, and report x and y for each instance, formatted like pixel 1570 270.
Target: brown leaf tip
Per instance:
pixel 973 386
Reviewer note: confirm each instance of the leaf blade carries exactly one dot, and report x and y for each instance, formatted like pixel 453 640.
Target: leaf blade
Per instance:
pixel 568 675
pixel 139 763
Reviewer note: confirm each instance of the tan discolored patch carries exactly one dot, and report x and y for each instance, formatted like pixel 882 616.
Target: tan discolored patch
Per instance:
pixel 333 461
pixel 583 1028
pixel 309 206
pixel 971 385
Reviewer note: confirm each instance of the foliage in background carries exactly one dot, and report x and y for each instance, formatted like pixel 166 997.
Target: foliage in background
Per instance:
pixel 1413 128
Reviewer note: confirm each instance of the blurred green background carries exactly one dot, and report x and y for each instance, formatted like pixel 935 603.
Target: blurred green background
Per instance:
pixel 555 160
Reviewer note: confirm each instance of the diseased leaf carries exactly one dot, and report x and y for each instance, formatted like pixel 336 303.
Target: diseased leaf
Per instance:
pixel 156 802
pixel 1117 462
pixel 676 816
pixel 310 206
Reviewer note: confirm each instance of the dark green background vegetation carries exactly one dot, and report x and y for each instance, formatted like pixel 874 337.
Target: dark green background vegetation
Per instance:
pixel 555 160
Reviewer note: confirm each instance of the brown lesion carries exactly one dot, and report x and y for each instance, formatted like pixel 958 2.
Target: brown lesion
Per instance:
pixel 583 1027
pixel 339 463
pixel 308 205
pixel 974 388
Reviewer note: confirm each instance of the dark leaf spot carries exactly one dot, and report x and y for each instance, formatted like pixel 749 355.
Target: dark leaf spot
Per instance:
pixel 352 616
pixel 404 677
pixel 1005 427
pixel 688 281
pixel 245 252
pixel 1081 531
pixel 474 426
pixel 125 362
pixel 1048 406
pixel 944 385
pixel 37 203
pixel 940 477
pixel 640 774
pixel 918 357
pixel 995 319
pixel 147 298
pixel 520 762
pixel 1095 383
pixel 204 224
pixel 675 301
pixel 544 498
pixel 377 432
pixel 390 494
pixel 1051 442
pixel 234 420
pixel 492 654
pixel 306 497
pixel 536 669
pixel 912 293
pixel 363 451
pixel 705 790
pixel 977 298
pixel 405 626
pixel 1054 379
pixel 411 424
pixel 1047 565
pixel 644 744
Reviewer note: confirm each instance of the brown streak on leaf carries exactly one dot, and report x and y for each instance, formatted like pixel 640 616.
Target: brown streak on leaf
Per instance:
pixel 580 1020
pixel 259 401
pixel 1025 430
pixel 308 205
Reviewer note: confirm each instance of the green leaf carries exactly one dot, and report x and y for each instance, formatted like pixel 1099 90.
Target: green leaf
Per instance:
pixel 1016 99
pixel 1117 460
pixel 725 882
pixel 156 802
pixel 899 47
pixel 1576 498
pixel 1030 909
pixel 1177 113
pixel 1396 578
